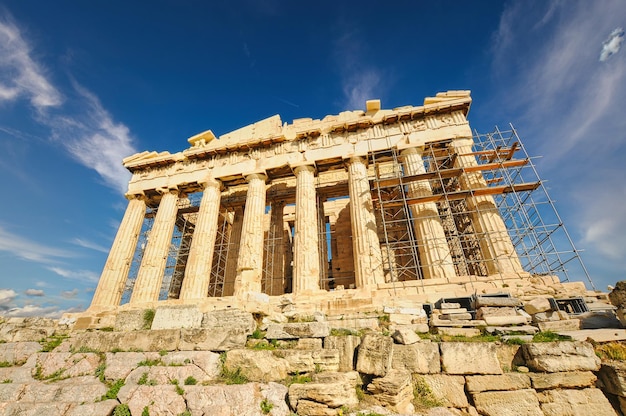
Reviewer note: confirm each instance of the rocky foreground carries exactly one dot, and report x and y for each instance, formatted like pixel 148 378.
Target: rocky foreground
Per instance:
pixel 231 362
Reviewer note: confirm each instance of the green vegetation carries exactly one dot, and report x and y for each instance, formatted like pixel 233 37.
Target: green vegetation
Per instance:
pixel 264 345
pixel 149 363
pixel 100 372
pixel 145 411
pixel 297 379
pixel 162 353
pixel 148 317
pixel 185 413
pixel 121 410
pixel 114 388
pixel 611 351
pixel 423 397
pixel 7 381
pixel 52 342
pixel 144 381
pixel 515 341
pixel 549 336
pixel 344 332
pixel 369 414
pixel 233 377
pixel 266 406
pixel 107 329
pixel 190 381
pixel 257 334
pixel 56 376
pixel 179 389
pixel 5 364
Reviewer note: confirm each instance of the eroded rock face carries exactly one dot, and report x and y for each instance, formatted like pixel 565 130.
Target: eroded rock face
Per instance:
pixel 346 346
pixel 508 403
pixel 375 355
pixel 418 358
pixel 583 402
pixel 554 357
pixel 394 390
pixel 298 330
pixel 469 358
pixel 257 365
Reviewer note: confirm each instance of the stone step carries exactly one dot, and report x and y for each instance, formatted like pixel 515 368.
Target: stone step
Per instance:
pixel 525 329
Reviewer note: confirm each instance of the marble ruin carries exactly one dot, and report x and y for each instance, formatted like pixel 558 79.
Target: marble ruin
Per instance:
pixel 354 211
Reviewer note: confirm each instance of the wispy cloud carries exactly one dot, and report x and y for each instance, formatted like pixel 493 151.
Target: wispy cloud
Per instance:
pixel 81 275
pixel 29 250
pixel 34 292
pixel 20 75
pixel 84 127
pixel 612 45
pixel 569 108
pixel 90 245
pixel 69 294
pixel 7 296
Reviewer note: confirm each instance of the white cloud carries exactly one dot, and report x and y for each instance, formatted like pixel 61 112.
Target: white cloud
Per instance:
pixel 612 45
pixel 7 296
pixel 90 245
pixel 69 294
pixel 40 311
pixel 360 87
pixel 34 292
pixel 81 275
pixel 20 75
pixel 29 250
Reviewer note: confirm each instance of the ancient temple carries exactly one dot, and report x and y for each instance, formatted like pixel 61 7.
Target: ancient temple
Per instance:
pixel 364 207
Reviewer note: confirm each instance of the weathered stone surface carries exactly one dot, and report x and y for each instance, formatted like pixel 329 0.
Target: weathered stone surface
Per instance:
pixel 569 380
pixel 505 330
pixel 486 311
pixel 469 358
pixel 374 356
pixel 505 320
pixel 464 332
pixel 207 361
pixel 161 340
pixel 332 395
pixel 307 361
pixel 449 390
pixel 132 320
pixel 99 408
pixel 508 381
pixel 75 390
pixel 259 365
pixel 537 305
pixel 120 364
pixel 177 316
pixel 16 374
pixel 420 358
pixel 554 357
pixel 351 377
pixel 36 409
pixel 298 330
pixel 618 294
pixel 18 352
pixel 508 403
pixel 65 364
pixel 569 325
pixel 230 319
pixel 405 336
pixel 216 339
pixel 11 392
pixel 497 301
pixel 311 408
pixel 547 316
pixel 166 374
pixel 309 344
pixel 160 400
pixel 612 374
pixel 585 402
pixel 394 390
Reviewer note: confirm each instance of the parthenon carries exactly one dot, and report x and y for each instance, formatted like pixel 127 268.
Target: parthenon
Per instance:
pixel 363 207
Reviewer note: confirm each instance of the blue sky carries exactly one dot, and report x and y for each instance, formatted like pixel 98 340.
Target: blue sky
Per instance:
pixel 85 84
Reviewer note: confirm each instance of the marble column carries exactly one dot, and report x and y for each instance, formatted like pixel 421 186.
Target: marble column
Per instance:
pixel 306 262
pixel 368 268
pixel 115 272
pixel 435 258
pixel 496 247
pixel 198 269
pixel 250 261
pixel 152 269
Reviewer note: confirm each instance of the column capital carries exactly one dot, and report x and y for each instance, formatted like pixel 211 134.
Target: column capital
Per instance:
pixel 304 167
pixel 210 182
pixel 355 159
pixel 419 150
pixel 134 195
pixel 257 175
pixel 168 189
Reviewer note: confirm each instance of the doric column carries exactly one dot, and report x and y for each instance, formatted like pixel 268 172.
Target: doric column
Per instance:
pixel 368 268
pixel 435 258
pixel 306 270
pixel 115 272
pixel 497 249
pixel 250 261
pixel 198 270
pixel 152 269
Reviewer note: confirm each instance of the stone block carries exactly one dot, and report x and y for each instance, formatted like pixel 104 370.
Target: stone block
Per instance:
pixel 546 316
pixel 469 358
pixel 486 311
pixel 394 391
pixel 449 305
pixel 227 400
pixel 16 353
pixel 459 332
pixel 65 363
pixel 120 364
pixel 448 390
pixel 309 361
pixel 537 305
pixel 612 375
pixel 569 325
pixel 255 365
pixel 508 381
pixel 229 319
pixel 346 345
pixel 505 320
pixel 374 356
pixel 132 320
pixel 568 380
pixel 177 316
pixel 492 301
pixel 160 400
pixel 105 407
pixel 419 358
pixel 456 316
pixel 212 339
pixel 161 340
pixel 583 402
pixel 405 336
pixel 164 375
pixel 333 395
pixel 298 330
pixel 512 330
pixel 309 344
pixel 554 357
pixel 508 403
pixel 207 361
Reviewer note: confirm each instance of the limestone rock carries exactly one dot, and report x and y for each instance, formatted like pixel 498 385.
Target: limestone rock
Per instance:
pixel 375 354
pixel 259 365
pixel 311 408
pixel 309 344
pixel 163 375
pixel 618 294
pixel 332 395
pixel 212 339
pixel 160 400
pixel 231 319
pixel 207 361
pixel 508 403
pixel 486 311
pixel 160 340
pixel 120 364
pixel 16 353
pixel 65 364
pixel 585 402
pixel 449 390
pixel 508 381
pixel 554 357
pixel 419 358
pixel 405 336
pixel 394 390
pixel 571 380
pixel 105 407
pixel 308 361
pixel 569 325
pixel 612 374
pixel 537 305
pixel 132 320
pixel 493 301
pixel 298 330
pixel 469 358
pixel 36 409
pixel 177 316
